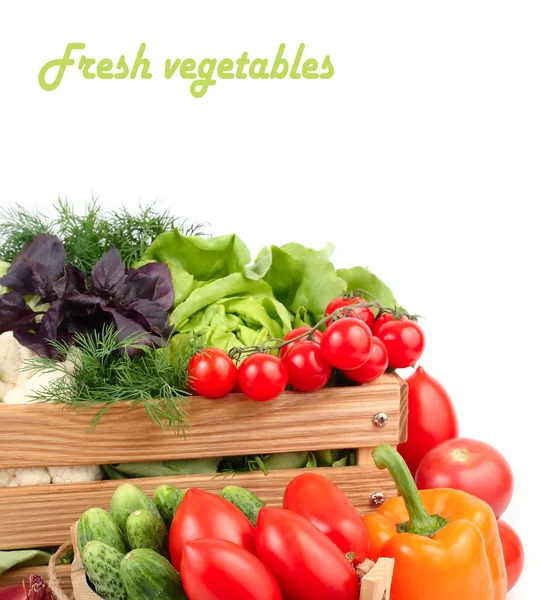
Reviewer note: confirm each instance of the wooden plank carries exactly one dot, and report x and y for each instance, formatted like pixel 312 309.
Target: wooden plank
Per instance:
pixel 403 409
pixel 47 435
pixel 15 576
pixel 376 584
pixel 47 512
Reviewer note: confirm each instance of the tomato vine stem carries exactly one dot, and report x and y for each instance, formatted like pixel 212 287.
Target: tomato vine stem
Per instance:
pixel 274 344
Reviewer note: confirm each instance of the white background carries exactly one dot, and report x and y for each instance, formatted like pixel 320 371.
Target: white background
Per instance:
pixel 419 159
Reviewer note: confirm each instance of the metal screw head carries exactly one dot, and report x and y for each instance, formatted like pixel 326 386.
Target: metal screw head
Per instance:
pixel 377 499
pixel 380 419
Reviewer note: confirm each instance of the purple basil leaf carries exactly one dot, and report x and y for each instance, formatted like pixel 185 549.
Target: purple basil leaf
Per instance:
pixel 72 282
pixel 15 313
pixel 128 327
pixel 34 342
pixel 36 267
pixel 164 291
pixel 138 286
pixel 48 328
pixel 147 312
pixel 109 274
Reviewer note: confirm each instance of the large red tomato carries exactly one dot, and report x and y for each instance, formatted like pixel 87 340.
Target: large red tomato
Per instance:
pixel 432 418
pixel 305 563
pixel 220 570
pixel 205 515
pixel 514 556
pixel 323 504
pixel 471 466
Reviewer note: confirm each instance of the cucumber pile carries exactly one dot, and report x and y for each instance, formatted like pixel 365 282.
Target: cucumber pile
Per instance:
pixel 125 552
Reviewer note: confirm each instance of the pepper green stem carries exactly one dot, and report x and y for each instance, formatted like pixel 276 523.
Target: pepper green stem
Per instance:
pixel 420 521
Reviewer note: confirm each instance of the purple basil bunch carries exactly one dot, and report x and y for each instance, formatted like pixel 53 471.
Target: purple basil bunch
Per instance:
pixel 137 301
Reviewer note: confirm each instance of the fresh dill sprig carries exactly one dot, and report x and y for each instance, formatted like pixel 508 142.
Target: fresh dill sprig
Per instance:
pixel 17 227
pixel 98 373
pixel 87 236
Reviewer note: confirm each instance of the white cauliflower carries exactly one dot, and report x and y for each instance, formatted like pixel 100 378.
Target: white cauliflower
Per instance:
pixel 17 387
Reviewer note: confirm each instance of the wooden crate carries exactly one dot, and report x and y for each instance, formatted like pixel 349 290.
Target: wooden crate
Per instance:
pixel 334 418
pixel 375 585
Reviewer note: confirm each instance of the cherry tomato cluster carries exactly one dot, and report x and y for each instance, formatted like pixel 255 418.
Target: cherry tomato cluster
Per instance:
pixel 307 549
pixel 354 342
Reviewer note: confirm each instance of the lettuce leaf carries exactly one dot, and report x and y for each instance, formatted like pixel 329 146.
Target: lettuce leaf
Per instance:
pixel 303 279
pixel 361 278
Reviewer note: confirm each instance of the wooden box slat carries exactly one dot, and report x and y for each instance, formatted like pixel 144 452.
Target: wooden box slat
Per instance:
pixel 47 435
pixel 47 512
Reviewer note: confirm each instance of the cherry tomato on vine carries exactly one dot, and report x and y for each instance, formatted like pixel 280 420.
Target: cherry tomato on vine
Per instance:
pixel 205 515
pixel 307 367
pixel 317 336
pixel 214 569
pixel 364 313
pixel 212 373
pixel 385 317
pixel 375 366
pixel 262 377
pixel 305 563
pixel 346 344
pixel 514 555
pixel 404 341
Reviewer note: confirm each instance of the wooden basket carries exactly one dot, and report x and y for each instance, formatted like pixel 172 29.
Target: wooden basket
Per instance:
pixel 375 585
pixel 38 435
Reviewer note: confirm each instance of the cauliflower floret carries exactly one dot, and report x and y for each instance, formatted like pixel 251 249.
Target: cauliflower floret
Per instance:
pixel 16 387
pixel 46 475
pixel 80 474
pixel 12 357
pixel 29 476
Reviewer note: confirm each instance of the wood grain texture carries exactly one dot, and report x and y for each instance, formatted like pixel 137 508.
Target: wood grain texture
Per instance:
pixel 41 516
pixel 48 435
pixel 403 409
pixel 15 576
pixel 376 584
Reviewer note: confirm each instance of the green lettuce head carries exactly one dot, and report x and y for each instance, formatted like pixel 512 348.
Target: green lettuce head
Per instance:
pixel 217 294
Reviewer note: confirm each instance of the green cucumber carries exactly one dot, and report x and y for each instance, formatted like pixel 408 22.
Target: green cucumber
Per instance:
pixel 102 565
pixel 167 499
pixel 246 501
pixel 145 530
pixel 149 576
pixel 97 524
pixel 127 499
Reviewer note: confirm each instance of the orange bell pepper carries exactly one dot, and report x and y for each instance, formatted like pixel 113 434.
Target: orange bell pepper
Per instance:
pixel 445 542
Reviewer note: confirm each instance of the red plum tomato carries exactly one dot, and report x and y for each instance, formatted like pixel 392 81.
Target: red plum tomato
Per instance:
pixel 432 418
pixel 323 504
pixel 305 563
pixel 205 515
pixel 262 377
pixel 212 373
pixel 215 569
